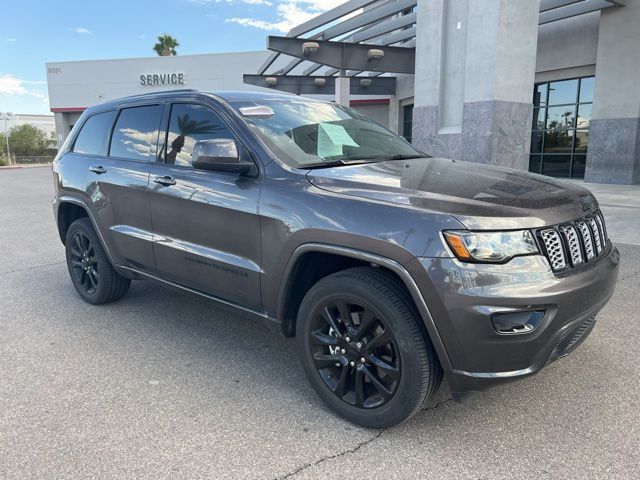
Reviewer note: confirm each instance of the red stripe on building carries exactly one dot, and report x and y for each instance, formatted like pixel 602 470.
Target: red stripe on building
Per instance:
pixel 369 101
pixel 68 109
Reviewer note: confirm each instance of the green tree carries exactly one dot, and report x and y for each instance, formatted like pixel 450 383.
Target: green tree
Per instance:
pixel 27 140
pixel 166 45
pixel 3 150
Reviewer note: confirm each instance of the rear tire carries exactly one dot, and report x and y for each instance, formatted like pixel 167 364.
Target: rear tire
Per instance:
pixel 89 267
pixel 362 346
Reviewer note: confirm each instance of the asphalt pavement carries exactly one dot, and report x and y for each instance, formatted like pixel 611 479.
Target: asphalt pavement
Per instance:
pixel 163 385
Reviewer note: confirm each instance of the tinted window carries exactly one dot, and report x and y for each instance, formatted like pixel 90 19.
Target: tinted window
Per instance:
pixel 136 132
pixel 540 94
pixel 561 117
pixel 560 133
pixel 586 89
pixel 188 125
pixel 563 92
pixel 584 116
pixel 539 117
pixel 94 136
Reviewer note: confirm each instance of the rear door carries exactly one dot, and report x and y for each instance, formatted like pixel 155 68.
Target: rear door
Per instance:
pixel 206 228
pixel 117 189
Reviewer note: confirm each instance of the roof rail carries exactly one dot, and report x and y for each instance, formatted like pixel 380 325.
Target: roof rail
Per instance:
pixel 160 92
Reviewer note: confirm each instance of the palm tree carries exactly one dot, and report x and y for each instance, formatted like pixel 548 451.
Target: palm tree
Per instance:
pixel 566 116
pixel 195 127
pixel 166 45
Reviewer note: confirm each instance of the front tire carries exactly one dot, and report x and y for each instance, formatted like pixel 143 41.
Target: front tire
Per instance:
pixel 89 267
pixel 359 338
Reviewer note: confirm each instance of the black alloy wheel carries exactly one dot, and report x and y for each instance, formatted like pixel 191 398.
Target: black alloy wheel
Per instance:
pixel 364 348
pixel 84 263
pixel 91 272
pixel 355 353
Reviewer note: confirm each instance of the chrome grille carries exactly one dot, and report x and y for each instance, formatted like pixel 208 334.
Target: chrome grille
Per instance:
pixel 586 239
pixel 596 234
pixel 555 253
pixel 575 251
pixel 603 230
pixel 574 243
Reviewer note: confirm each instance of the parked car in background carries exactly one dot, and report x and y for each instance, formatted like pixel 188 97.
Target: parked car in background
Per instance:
pixel 391 268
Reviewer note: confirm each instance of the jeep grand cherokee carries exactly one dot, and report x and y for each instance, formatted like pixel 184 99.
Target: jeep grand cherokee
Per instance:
pixel 390 268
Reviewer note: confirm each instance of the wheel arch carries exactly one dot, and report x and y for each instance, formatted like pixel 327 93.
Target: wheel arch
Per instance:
pixel 70 206
pixel 297 281
pixel 69 212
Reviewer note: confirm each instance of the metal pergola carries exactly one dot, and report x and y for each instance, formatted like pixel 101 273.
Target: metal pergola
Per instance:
pixel 367 40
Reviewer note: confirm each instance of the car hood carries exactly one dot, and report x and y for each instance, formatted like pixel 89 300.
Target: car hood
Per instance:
pixel 479 196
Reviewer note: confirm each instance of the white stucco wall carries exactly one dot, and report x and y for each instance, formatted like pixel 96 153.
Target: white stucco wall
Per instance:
pixel 46 123
pixel 86 83
pixel 471 51
pixel 618 68
pixel 567 48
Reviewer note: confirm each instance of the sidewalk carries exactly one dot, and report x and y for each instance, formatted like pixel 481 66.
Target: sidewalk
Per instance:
pixel 25 165
pixel 621 208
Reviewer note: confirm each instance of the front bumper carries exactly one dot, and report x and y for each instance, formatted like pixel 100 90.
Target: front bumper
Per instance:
pixel 461 297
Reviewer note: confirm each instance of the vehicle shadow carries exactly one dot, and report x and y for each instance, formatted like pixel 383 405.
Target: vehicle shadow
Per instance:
pixel 219 340
pixel 220 346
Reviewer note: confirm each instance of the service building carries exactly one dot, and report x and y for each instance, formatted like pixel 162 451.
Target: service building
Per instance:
pixel 551 86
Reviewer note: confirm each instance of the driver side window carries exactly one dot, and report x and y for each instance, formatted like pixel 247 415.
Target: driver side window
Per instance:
pixel 188 124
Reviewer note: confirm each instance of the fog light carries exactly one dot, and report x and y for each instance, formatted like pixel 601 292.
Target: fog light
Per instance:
pixel 517 322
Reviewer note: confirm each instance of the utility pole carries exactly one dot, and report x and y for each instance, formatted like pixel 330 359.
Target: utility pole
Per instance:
pixel 5 116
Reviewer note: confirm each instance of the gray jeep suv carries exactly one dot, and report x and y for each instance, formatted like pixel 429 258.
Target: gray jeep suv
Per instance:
pixel 391 268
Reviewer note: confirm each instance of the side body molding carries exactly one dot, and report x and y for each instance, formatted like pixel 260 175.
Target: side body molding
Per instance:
pixel 392 265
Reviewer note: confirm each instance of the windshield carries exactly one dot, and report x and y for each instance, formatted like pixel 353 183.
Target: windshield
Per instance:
pixel 307 133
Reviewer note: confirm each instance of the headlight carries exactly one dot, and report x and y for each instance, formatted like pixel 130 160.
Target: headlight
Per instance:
pixel 490 247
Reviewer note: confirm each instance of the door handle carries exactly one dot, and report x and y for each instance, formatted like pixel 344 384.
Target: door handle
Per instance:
pixel 99 170
pixel 165 181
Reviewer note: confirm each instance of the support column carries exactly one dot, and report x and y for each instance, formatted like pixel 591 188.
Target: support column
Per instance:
pixel 62 128
pixel 343 89
pixel 613 152
pixel 475 67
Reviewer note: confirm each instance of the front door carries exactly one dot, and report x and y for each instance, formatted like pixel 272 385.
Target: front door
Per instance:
pixel 206 228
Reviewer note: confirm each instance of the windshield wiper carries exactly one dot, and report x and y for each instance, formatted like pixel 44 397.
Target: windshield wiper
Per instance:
pixel 383 158
pixel 335 163
pixel 360 160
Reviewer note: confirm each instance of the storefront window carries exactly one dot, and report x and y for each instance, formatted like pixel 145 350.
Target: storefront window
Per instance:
pixel 560 131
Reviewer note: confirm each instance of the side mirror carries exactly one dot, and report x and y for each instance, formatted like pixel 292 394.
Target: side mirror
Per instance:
pixel 219 155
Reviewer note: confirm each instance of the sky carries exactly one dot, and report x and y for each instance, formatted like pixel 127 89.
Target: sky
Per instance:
pixel 33 32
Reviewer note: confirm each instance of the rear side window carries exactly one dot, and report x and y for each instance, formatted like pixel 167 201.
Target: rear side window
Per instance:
pixel 93 138
pixel 136 133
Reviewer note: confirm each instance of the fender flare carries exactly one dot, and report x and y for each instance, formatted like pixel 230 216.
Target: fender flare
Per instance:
pixel 388 263
pixel 81 203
